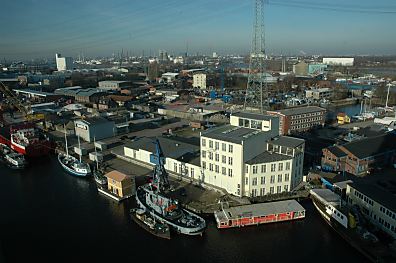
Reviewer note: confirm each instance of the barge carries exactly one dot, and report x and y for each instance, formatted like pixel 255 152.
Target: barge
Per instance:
pixel 259 214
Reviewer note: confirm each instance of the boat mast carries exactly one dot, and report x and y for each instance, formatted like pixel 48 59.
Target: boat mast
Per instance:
pixel 387 97
pixel 67 150
pixel 96 155
pixel 79 147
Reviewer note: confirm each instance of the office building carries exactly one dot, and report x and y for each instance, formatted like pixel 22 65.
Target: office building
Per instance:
pixel 63 63
pixel 199 81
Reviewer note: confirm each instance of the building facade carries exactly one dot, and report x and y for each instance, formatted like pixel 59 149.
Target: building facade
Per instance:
pixel 377 204
pixel 113 85
pixel 360 156
pixel 94 127
pixel 199 81
pixel 120 184
pixel 339 61
pixel 301 119
pixel 319 94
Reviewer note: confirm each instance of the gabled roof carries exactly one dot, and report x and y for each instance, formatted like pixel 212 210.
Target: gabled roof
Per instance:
pixel 372 146
pixel 117 176
pixel 337 151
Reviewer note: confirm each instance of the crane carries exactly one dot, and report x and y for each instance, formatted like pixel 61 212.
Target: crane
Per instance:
pixel 160 175
pixel 14 101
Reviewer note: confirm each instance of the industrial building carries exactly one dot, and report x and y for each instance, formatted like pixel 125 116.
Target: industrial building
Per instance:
pixel 376 201
pixel 295 120
pixel 35 95
pixel 89 95
pixel 113 85
pixel 170 77
pixel 97 128
pixel 339 61
pixel 199 81
pixel 319 94
pixel 63 63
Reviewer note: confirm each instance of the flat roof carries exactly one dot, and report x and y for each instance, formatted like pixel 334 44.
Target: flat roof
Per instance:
pixel 113 81
pixel 254 116
pixel 93 120
pixel 35 92
pixel 326 195
pixel 300 110
pixel 231 133
pixel 174 149
pixel 287 141
pixel 268 157
pixel 262 209
pixel 381 195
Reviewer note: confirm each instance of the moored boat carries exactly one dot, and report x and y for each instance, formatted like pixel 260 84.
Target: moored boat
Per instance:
pixel 149 224
pixel 12 158
pixel 259 214
pixel 343 219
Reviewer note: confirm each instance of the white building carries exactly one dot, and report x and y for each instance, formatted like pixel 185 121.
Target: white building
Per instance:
pixel 113 85
pixel 339 61
pixel 199 81
pixel 63 63
pixel 244 157
pixel 170 76
pixel 318 94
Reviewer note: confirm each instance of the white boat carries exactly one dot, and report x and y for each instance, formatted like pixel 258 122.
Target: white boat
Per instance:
pixel 12 158
pixel 73 165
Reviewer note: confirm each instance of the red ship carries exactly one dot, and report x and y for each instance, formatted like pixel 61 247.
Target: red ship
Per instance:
pixel 27 140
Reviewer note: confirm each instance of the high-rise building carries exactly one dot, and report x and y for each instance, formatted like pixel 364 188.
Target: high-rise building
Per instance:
pixel 63 63
pixel 199 81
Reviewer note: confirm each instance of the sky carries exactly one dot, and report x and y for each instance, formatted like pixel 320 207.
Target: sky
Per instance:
pixel 41 28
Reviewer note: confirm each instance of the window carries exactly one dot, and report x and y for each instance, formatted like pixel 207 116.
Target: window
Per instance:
pixel 279 178
pixel 216 168
pixel 271 190
pixel 230 148
pixel 262 191
pixel 246 180
pixel 287 166
pixel 279 189
pixel 263 168
pixel 204 165
pixel 255 169
pixel 175 167
pixel 224 159
pixel 254 181
pixel 286 188
pixel 216 145
pixel 280 167
pixel 224 147
pixel 211 167
pixel 230 172
pixel 210 144
pixel 230 160
pixel 254 192
pixel 217 157
pixel 203 154
pixel 224 170
pixel 272 179
pixel 286 177
pixel 262 179
pixel 247 168
pixel 203 142
pixel 210 156
pixel 273 167
pixel 192 172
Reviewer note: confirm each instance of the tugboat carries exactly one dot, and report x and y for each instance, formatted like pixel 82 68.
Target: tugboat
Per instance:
pixel 148 223
pixel 12 158
pixel 151 198
pixel 73 165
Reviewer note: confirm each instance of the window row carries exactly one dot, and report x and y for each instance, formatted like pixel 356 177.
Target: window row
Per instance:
pixel 216 145
pixel 364 198
pixel 278 179
pixel 216 157
pixel 306 120
pixel 216 168
pixel 306 115
pixel 263 168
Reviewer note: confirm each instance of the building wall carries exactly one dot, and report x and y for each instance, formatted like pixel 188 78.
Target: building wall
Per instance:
pixel 99 131
pixel 199 80
pixel 378 214
pixel 271 126
pixel 124 188
pixel 260 180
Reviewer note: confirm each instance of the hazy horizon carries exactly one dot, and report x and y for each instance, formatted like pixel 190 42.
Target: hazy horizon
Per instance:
pixel 41 28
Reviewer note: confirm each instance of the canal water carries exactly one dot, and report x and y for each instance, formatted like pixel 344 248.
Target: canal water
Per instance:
pixel 49 216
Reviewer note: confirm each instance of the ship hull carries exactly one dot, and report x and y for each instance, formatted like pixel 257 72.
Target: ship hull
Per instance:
pixel 70 170
pixel 42 148
pixel 180 229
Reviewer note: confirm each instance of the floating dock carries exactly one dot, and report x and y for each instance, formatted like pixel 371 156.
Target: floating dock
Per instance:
pixel 259 214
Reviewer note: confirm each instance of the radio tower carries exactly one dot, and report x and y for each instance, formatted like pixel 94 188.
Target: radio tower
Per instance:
pixel 257 89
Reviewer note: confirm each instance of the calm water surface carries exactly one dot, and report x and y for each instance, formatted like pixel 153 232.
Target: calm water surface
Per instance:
pixel 49 216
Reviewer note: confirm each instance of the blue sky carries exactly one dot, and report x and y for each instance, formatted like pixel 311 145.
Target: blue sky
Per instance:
pixel 40 28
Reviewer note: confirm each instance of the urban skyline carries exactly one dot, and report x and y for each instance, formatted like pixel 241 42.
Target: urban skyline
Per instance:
pixel 292 27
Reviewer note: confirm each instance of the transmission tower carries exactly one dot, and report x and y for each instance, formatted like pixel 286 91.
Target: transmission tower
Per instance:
pixel 256 96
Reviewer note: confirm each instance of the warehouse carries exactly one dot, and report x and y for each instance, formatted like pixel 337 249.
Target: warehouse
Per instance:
pixel 94 127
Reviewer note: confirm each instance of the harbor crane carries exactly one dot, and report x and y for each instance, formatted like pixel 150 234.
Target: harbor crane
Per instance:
pixel 160 175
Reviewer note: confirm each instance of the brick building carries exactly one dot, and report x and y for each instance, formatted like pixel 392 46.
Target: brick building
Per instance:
pixel 295 120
